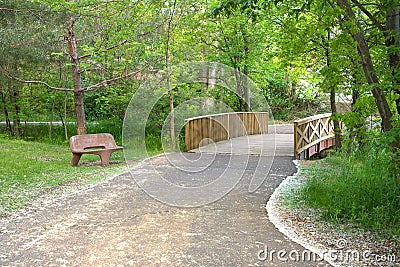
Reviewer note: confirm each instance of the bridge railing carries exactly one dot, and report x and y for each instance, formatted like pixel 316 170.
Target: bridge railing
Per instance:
pixel 312 135
pixel 203 130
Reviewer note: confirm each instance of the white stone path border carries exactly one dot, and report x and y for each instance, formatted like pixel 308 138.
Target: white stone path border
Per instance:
pixel 288 230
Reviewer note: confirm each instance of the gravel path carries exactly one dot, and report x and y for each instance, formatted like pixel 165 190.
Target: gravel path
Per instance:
pixel 114 223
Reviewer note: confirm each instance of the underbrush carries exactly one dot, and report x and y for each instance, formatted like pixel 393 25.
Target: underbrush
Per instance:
pixel 357 188
pixel 58 134
pixel 55 134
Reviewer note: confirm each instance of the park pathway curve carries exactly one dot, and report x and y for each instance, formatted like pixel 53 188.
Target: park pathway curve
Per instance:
pixel 115 223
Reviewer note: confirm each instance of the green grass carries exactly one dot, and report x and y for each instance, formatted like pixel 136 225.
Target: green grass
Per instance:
pixel 358 188
pixel 28 169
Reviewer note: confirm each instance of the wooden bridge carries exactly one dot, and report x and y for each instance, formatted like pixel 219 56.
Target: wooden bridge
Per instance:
pixel 252 133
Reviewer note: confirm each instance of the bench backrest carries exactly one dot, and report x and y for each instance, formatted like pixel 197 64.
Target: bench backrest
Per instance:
pixel 85 141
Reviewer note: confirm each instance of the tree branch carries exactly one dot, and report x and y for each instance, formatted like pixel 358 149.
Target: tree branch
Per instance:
pixel 32 11
pixel 370 16
pixel 213 45
pixel 36 82
pixel 106 49
pixel 105 83
pixel 11 9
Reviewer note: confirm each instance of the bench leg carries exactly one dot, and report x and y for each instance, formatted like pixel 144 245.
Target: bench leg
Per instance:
pixel 75 159
pixel 105 157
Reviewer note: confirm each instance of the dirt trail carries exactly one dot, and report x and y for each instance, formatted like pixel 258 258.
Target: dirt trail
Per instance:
pixel 115 223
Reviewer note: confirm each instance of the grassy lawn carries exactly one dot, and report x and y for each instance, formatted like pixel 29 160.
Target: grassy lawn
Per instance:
pixel 30 169
pixel 359 189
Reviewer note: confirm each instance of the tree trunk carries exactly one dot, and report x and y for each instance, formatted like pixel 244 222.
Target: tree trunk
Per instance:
pixel 13 92
pixel 292 95
pixel 5 111
pixel 17 111
pixel 368 68
pixel 52 117
pixel 355 95
pixel 336 125
pixel 167 28
pixel 393 26
pixel 239 89
pixel 292 87
pixel 171 101
pixel 392 41
pixel 170 95
pixel 76 73
pixel 172 120
pixel 65 117
pixel 205 80
pixel 246 89
pixel 205 73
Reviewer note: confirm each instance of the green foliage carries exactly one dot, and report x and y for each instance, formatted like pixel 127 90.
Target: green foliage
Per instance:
pixel 118 37
pixel 41 133
pixel 24 30
pixel 360 121
pixel 359 188
pixel 107 104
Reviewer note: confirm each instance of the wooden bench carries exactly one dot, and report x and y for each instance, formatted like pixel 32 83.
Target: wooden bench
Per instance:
pixel 100 144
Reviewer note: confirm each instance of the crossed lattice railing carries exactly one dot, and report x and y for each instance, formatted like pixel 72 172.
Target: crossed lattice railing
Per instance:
pixel 312 135
pixel 200 131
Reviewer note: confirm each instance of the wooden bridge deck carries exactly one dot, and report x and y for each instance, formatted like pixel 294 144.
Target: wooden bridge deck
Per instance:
pixel 280 137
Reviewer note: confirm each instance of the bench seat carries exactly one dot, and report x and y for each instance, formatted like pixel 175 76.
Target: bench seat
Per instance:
pixel 102 144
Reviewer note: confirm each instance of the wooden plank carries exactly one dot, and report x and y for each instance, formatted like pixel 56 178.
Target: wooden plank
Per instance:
pixel 312 150
pixel 253 125
pixel 233 121
pixel 188 145
pixel 223 126
pixel 250 125
pixel 312 118
pixel 315 142
pixel 196 133
pixel 214 127
pixel 266 145
pixel 264 122
pixel 244 126
pixel 257 129
pixel 203 131
pixel 256 126
pixel 218 127
pixel 225 135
